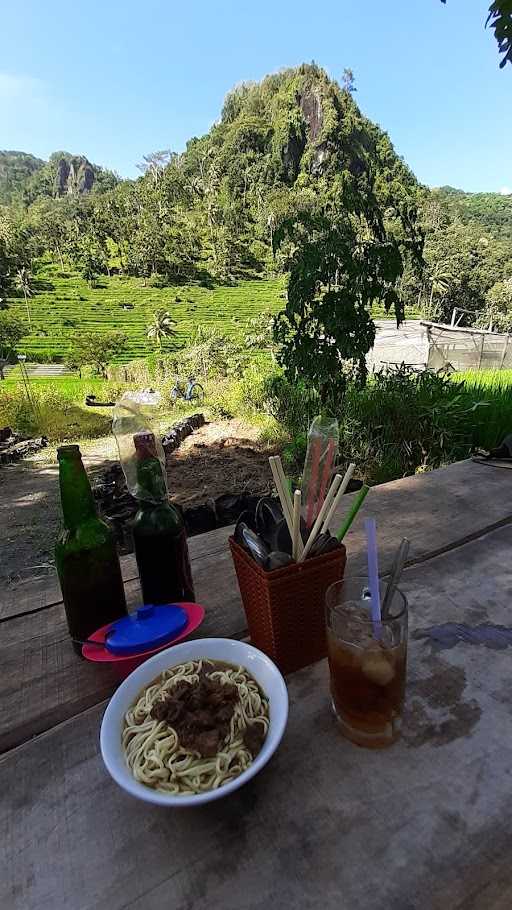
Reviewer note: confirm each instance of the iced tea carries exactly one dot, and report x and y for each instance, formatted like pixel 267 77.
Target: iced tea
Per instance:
pixel 367 664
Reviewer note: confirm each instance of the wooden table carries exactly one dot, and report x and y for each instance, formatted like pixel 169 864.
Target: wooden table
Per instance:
pixel 424 825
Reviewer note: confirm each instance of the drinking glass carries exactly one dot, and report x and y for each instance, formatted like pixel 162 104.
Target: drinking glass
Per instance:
pixel 367 662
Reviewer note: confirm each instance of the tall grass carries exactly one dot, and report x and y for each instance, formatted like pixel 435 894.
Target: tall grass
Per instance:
pixel 489 392
pixel 402 422
pixel 57 409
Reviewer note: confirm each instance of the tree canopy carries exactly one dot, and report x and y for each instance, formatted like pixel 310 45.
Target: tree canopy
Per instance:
pixel 12 331
pixel 291 169
pixel 96 349
pixel 499 18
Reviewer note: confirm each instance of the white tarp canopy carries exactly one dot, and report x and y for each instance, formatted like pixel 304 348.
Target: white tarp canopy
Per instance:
pixel 467 349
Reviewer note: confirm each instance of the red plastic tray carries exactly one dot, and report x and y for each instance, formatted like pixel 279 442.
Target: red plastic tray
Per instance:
pixel 125 663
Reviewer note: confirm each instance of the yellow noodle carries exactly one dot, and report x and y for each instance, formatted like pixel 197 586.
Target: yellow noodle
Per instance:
pixel 152 748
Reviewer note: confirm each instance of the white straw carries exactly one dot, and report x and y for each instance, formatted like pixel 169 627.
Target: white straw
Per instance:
pixel 297 500
pixel 321 515
pixel 276 467
pixel 281 492
pixel 284 485
pixel 336 501
pixel 286 489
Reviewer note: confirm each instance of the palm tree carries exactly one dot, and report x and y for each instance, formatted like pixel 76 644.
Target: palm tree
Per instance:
pixel 438 280
pixel 23 282
pixel 161 327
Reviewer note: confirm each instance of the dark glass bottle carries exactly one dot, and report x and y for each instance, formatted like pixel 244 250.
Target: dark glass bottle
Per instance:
pixel 159 534
pixel 85 554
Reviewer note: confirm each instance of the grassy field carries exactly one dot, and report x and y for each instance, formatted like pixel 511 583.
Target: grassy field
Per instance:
pixel 485 380
pixel 57 408
pixel 488 396
pixel 63 305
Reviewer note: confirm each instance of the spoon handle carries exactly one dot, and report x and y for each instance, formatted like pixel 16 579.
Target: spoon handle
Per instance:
pixel 88 641
pixel 396 572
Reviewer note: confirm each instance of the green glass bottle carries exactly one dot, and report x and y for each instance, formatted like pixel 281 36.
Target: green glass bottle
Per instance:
pixel 159 535
pixel 85 554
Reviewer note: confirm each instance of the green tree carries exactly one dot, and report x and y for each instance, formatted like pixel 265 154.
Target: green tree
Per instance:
pixel 500 19
pixel 161 327
pixel 91 262
pixel 336 274
pixel 96 349
pixel 348 81
pixel 12 331
pixel 498 307
pixel 4 267
pixel 23 282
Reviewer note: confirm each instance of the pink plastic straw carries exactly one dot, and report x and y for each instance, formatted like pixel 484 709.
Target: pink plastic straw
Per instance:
pixel 316 451
pixel 326 474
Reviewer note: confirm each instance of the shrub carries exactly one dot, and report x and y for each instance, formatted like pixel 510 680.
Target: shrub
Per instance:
pixel 57 411
pixel 400 423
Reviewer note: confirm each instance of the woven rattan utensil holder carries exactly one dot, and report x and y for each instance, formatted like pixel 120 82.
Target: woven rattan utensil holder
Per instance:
pixel 285 608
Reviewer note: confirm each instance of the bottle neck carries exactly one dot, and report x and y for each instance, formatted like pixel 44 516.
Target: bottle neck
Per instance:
pixel 76 497
pixel 150 481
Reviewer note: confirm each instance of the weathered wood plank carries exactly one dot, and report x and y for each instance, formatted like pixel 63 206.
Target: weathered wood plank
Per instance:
pixel 33 595
pixel 435 511
pixel 35 652
pixel 61 684
pixel 425 824
pixel 421 507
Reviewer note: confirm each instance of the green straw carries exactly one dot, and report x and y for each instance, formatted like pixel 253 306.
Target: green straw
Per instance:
pixel 356 505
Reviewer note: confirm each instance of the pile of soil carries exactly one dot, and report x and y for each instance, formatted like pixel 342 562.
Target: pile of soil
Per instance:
pixel 219 458
pixel 199 474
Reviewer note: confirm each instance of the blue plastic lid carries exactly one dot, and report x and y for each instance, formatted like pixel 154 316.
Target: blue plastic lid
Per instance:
pixel 146 629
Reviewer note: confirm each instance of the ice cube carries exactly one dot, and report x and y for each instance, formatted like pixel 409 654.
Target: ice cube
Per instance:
pixel 376 666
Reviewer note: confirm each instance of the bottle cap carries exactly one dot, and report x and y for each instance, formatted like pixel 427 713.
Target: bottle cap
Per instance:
pixel 62 451
pixel 148 628
pixel 145 444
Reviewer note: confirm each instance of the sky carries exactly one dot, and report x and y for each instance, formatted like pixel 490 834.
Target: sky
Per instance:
pixel 116 79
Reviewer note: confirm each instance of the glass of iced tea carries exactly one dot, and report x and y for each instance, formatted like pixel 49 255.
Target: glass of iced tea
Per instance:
pixel 367 661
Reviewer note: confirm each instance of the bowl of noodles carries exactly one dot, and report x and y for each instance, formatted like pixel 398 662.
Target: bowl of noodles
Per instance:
pixel 195 722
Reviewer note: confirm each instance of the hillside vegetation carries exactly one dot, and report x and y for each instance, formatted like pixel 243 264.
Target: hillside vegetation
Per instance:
pixel 292 166
pixel 63 305
pixel 492 211
pixel 16 168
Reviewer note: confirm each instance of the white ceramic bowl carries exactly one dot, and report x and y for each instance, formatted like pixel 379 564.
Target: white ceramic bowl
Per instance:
pixel 236 652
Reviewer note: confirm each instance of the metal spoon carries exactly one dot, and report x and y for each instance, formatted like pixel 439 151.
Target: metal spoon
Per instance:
pixel 324 543
pixel 278 560
pixel 247 538
pixel 268 513
pixel 396 572
pixel 88 641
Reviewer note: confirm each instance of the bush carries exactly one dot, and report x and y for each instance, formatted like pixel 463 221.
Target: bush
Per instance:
pixel 292 405
pixel 157 281
pixel 400 423
pixel 245 397
pixel 47 356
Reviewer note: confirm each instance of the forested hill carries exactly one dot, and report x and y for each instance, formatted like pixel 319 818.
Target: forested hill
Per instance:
pixel 24 178
pixel 288 157
pixel 289 144
pixel 15 170
pixel 492 211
